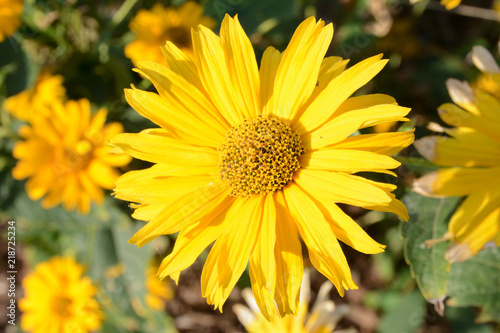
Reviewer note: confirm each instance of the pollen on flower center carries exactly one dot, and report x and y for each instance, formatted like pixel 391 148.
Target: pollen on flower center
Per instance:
pixel 259 156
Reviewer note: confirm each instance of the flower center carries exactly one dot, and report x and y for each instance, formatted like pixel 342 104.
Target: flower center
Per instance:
pixel 259 156
pixel 60 305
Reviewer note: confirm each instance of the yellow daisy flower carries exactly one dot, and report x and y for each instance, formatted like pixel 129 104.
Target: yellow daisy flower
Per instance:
pixel 59 299
pixel 48 89
pixel 156 26
pixel 470 155
pixel 159 291
pixel 252 159
pixel 65 156
pixel 323 318
pixel 489 80
pixel 10 16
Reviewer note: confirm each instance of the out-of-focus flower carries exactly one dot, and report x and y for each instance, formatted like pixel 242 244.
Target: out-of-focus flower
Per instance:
pixel 323 318
pixel 65 156
pixel 153 28
pixel 448 4
pixel 48 90
pixel 252 159
pixel 159 291
pixel 489 80
pixel 470 153
pixel 59 299
pixel 10 17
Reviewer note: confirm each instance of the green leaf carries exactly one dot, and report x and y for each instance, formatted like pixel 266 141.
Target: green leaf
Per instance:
pixel 406 315
pixel 476 282
pixel 428 220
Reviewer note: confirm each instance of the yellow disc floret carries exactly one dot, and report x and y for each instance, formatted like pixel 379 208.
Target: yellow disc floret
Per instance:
pixel 259 156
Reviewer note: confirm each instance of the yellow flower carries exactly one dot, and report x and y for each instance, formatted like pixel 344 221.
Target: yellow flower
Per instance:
pixel 252 159
pixel 323 318
pixel 153 28
pixel 470 155
pixel 47 90
pixel 448 4
pixel 159 291
pixel 10 16
pixel 489 80
pixel 66 156
pixel 59 299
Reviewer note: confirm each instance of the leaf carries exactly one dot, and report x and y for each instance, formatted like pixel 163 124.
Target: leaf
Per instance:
pixel 428 220
pixel 406 315
pixel 476 282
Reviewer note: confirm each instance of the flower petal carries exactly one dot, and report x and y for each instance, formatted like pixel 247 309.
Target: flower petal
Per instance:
pixel 242 66
pixel 380 143
pixel 229 255
pixel 268 68
pixel 347 160
pixel 262 267
pixel 288 255
pixel 338 90
pixel 324 250
pixel 340 187
pixel 298 70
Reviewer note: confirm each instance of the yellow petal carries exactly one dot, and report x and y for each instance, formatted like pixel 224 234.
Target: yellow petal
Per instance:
pixel 242 66
pixel 324 250
pixel 338 90
pixel 186 98
pixel 229 256
pixel 456 181
pixel 475 208
pixel 195 238
pixel 380 143
pixel 288 255
pixel 268 68
pixel 102 174
pixel 339 128
pixel 346 229
pixel 469 243
pixel 181 64
pixel 347 160
pixel 340 187
pixel 187 210
pixel 455 116
pixel 166 115
pixel 468 152
pixel 395 206
pixel 262 263
pixel 165 150
pixel 297 73
pixel 211 62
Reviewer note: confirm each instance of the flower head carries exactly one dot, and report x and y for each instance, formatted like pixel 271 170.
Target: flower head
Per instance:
pixel 323 317
pixel 48 89
pixel 156 26
pixel 470 155
pixel 10 16
pixel 59 299
pixel 65 156
pixel 251 159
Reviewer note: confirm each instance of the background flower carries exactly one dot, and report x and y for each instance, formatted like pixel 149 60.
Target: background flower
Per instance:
pixel 58 298
pixel 65 156
pixel 153 28
pixel 10 16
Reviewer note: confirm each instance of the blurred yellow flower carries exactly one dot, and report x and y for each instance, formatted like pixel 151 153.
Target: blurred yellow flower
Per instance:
pixel 489 80
pixel 153 28
pixel 65 156
pixel 252 159
pixel 10 17
pixel 159 291
pixel 48 89
pixel 59 299
pixel 448 4
pixel 323 318
pixel 470 153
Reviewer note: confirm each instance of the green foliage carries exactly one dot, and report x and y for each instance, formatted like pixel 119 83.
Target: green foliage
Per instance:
pixel 475 282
